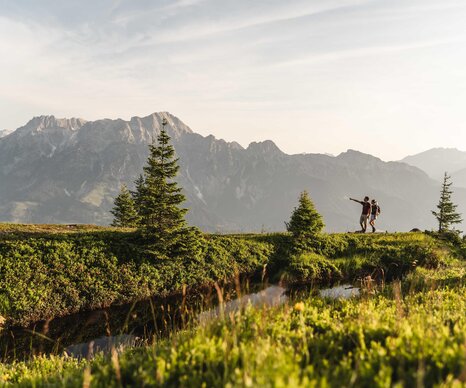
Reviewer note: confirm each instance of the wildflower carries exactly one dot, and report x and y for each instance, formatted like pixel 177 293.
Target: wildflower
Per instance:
pixel 299 306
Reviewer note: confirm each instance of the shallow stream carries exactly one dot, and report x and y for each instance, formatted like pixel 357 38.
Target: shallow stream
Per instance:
pixel 84 334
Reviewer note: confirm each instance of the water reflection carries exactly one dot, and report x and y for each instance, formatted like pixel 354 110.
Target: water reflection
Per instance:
pixel 84 334
pixel 102 345
pixel 270 296
pixel 344 291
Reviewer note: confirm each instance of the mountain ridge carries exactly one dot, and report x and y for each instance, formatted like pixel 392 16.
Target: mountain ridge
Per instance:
pixel 436 161
pixel 69 171
pixel 4 132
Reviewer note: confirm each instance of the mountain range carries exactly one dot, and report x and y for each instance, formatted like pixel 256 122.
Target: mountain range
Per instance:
pixel 438 161
pixel 69 171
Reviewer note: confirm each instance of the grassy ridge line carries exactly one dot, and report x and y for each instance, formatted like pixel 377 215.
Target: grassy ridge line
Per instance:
pixel 387 339
pixel 8 228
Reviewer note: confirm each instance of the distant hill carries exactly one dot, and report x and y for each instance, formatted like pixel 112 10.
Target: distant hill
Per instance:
pixel 69 170
pixel 438 160
pixel 459 178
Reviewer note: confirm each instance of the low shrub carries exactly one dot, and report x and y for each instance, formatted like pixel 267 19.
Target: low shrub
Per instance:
pixel 307 266
pixel 352 256
pixel 44 277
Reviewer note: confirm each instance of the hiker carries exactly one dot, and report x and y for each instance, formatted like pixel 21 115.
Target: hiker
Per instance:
pixel 375 211
pixel 366 212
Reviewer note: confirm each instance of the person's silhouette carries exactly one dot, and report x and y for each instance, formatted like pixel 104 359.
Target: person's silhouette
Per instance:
pixel 365 214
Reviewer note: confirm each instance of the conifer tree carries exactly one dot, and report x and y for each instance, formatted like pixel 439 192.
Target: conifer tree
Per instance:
pixel 159 199
pixel 124 210
pixel 137 194
pixel 306 223
pixel 446 214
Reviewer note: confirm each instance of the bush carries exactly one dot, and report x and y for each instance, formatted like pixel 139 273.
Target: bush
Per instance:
pixel 356 256
pixel 48 273
pixel 304 267
pixel 45 277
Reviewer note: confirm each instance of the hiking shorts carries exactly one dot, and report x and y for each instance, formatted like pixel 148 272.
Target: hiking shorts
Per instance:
pixel 363 218
pixel 373 217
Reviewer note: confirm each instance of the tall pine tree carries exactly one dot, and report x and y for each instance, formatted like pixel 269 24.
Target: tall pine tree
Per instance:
pixel 446 214
pixel 124 210
pixel 306 223
pixel 159 199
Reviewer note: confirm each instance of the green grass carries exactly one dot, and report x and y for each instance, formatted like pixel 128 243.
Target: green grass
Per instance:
pixel 409 333
pixel 351 257
pixel 46 275
pixel 384 339
pixel 25 229
pixel 48 271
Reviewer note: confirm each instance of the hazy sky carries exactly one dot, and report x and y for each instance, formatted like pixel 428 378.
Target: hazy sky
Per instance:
pixel 387 77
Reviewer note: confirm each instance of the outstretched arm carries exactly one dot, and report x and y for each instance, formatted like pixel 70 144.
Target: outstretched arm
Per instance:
pixel 355 200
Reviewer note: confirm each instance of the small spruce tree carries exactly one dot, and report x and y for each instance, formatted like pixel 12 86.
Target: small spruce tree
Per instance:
pixel 159 200
pixel 446 214
pixel 306 223
pixel 124 210
pixel 138 193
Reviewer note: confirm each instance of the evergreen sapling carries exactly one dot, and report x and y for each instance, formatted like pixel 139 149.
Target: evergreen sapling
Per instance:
pixel 124 210
pixel 446 214
pixel 306 223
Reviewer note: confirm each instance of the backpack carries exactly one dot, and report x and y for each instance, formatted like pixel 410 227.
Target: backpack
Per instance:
pixel 378 209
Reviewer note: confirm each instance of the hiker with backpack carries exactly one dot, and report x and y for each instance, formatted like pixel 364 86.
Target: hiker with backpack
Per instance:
pixel 365 214
pixel 375 211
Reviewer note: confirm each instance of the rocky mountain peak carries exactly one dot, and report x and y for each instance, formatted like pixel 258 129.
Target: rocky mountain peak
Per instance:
pixel 264 147
pixel 99 134
pixel 4 132
pixel 353 156
pixel 43 123
pixel 174 124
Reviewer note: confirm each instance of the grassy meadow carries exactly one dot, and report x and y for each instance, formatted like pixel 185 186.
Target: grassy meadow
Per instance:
pixel 398 335
pixel 52 271
pixel 48 272
pixel 407 327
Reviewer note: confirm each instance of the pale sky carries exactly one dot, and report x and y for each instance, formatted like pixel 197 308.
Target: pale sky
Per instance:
pixel 386 77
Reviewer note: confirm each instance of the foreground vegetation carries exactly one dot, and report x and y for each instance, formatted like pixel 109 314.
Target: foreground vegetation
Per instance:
pixel 48 275
pixel 46 272
pixel 411 333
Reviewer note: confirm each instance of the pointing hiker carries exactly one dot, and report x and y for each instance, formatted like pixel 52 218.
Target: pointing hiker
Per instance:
pixel 375 211
pixel 366 212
